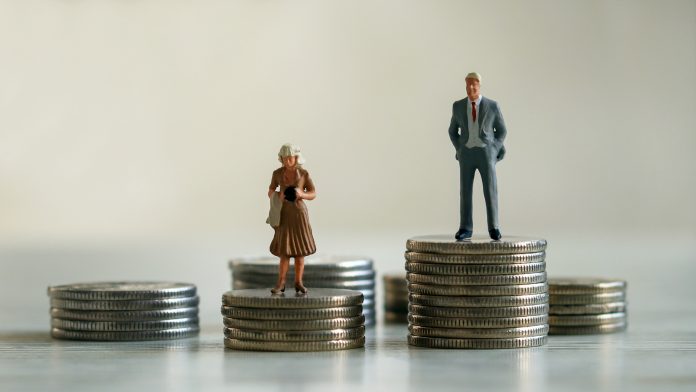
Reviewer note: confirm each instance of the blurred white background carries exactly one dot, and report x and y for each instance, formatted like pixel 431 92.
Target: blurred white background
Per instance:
pixel 137 138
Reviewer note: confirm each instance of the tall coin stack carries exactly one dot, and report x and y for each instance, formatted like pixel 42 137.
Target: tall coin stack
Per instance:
pixel 337 272
pixel 582 306
pixel 478 293
pixel 124 311
pixel 395 298
pixel 321 320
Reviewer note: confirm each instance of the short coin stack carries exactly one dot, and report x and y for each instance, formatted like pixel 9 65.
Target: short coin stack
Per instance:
pixel 321 320
pixel 124 311
pixel 395 298
pixel 478 293
pixel 321 271
pixel 580 306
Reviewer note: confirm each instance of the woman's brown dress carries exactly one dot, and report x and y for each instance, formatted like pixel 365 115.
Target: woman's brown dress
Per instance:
pixel 293 237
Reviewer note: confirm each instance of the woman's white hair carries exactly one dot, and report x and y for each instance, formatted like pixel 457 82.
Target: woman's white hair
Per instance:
pixel 289 149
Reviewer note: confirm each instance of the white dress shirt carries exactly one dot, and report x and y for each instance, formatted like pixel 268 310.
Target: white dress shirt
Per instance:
pixel 474 138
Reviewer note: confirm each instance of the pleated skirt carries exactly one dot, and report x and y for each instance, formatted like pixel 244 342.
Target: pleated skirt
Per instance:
pixel 293 237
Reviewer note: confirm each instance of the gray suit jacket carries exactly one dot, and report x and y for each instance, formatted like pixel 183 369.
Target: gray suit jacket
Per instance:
pixel 492 129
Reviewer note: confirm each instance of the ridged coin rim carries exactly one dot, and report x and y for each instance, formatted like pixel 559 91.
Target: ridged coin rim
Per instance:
pixel 123 326
pixel 446 244
pixel 347 285
pixel 308 275
pixel 153 304
pixel 115 291
pixel 461 259
pixel 291 314
pixel 588 330
pixel 315 298
pixel 295 336
pixel 295 325
pixel 461 312
pixel 587 320
pixel 474 269
pixel 477 323
pixel 327 345
pixel 479 333
pixel 124 315
pixel 315 262
pixel 476 280
pixel 132 336
pixel 448 343
pixel 585 285
pixel 586 299
pixel 469 302
pixel 519 289
pixel 610 307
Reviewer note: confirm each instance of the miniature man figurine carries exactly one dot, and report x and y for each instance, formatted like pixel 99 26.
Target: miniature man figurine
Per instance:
pixel 477 131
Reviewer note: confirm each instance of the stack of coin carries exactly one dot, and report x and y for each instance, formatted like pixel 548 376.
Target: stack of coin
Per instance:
pixel 580 306
pixel 395 298
pixel 124 311
pixel 321 320
pixel 321 271
pixel 477 293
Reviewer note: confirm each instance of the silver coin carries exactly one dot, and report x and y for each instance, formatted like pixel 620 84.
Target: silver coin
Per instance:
pixel 359 285
pixel 516 289
pixel 585 285
pixel 133 315
pixel 177 333
pixel 482 322
pixel 588 330
pixel 587 320
pixel 314 298
pixel 472 280
pixel 586 299
pixel 437 258
pixel 308 275
pixel 295 325
pixel 295 336
pixel 291 314
pixel 314 262
pixel 109 291
pixel 151 325
pixel 325 345
pixel 475 269
pixel 479 333
pixel 151 304
pixel 396 317
pixel 512 311
pixel 478 302
pixel 423 341
pixel 612 307
pixel 479 245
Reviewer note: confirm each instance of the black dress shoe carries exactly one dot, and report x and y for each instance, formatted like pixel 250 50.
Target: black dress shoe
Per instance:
pixel 495 234
pixel 462 234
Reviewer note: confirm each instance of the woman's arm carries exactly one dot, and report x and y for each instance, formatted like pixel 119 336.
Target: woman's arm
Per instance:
pixel 309 192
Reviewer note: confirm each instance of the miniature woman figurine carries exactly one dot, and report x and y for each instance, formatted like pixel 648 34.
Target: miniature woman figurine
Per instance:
pixel 293 235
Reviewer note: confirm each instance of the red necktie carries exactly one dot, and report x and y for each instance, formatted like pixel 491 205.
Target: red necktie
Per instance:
pixel 473 111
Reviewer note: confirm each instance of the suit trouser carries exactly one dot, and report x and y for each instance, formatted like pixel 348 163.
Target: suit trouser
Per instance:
pixel 483 160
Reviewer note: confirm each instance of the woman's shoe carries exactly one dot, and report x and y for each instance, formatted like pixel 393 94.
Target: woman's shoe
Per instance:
pixel 299 288
pixel 278 289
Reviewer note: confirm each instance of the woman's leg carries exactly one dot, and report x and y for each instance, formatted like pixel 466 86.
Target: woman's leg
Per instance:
pixel 299 272
pixel 283 267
